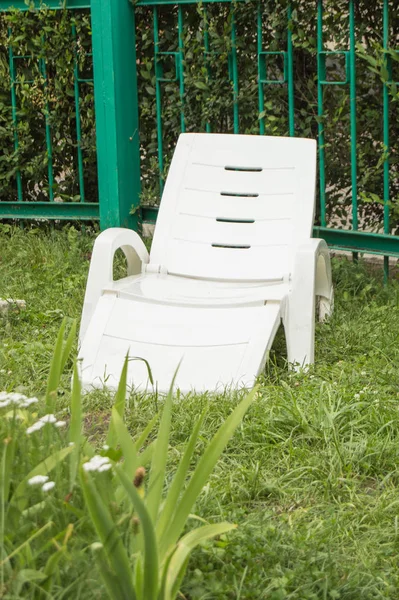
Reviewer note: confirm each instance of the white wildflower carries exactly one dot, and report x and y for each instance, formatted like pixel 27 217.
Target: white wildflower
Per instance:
pixel 364 373
pixel 29 401
pixel 60 424
pixel 97 463
pixel 356 396
pixel 48 486
pixel 105 447
pixel 5 403
pixel 35 427
pixel 48 419
pixel 38 480
pixel 104 467
pixel 71 444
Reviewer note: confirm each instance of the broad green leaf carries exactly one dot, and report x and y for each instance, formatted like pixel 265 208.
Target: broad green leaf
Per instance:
pixel 150 567
pixel 109 536
pixel 111 581
pixel 75 427
pixel 178 481
pixel 20 496
pixel 202 472
pixel 185 547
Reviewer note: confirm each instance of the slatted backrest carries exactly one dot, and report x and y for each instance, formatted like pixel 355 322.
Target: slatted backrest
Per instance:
pixel 235 207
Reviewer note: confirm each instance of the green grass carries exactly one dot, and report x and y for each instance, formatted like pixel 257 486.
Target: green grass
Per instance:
pixel 311 476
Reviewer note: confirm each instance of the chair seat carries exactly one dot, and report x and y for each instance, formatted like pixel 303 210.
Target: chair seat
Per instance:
pixel 217 346
pixel 170 289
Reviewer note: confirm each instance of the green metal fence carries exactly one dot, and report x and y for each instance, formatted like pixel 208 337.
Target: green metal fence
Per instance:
pixel 118 99
pixel 24 207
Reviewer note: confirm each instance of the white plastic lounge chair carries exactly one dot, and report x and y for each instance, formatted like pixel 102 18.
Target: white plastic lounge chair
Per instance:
pixel 232 256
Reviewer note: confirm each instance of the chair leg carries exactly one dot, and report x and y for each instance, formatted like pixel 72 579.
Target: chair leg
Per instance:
pixel 299 334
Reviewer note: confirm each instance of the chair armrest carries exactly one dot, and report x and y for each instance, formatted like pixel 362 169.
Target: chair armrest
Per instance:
pixel 312 272
pixel 311 277
pixel 101 266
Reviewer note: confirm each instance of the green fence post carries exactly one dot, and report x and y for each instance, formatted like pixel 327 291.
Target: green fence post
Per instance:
pixel 116 106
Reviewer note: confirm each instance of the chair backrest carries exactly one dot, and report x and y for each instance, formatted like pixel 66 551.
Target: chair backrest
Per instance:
pixel 235 207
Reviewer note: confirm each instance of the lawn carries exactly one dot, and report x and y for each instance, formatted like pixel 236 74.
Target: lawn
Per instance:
pixel 310 477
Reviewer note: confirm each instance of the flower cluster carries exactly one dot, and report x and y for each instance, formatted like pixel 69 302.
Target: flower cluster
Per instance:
pixel 98 463
pixel 52 419
pixel 42 480
pixel 15 399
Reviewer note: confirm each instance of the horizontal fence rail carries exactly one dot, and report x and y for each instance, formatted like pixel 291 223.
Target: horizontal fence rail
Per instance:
pixel 162 67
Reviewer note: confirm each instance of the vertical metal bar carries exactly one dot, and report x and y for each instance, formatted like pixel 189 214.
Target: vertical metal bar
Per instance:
pixel 261 97
pixel 158 101
pixel 320 114
pixel 117 113
pixel 386 134
pixel 77 117
pixel 291 109
pixel 352 85
pixel 180 27
pixel 49 146
pixel 234 72
pixel 14 114
pixel 207 50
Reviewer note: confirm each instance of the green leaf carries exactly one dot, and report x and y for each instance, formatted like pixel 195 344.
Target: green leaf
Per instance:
pixel 75 427
pixel 184 547
pixel 201 85
pixel 111 581
pixel 202 472
pixel 158 464
pixel 178 481
pixel 119 403
pixel 55 369
pixel 109 536
pixel 126 443
pixel 68 346
pixel 150 567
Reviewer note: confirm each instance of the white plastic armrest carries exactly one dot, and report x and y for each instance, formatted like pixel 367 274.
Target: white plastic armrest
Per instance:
pixel 311 278
pixel 101 266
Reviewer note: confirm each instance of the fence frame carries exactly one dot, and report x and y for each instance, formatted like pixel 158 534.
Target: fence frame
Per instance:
pixel 117 127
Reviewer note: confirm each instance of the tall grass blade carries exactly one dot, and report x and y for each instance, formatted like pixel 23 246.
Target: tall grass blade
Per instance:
pixel 68 346
pixel 142 438
pixel 119 404
pixel 178 481
pixel 158 464
pixel 183 550
pixel 150 567
pixel 75 427
pixel 109 536
pixel 131 461
pixel 202 472
pixel 55 369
